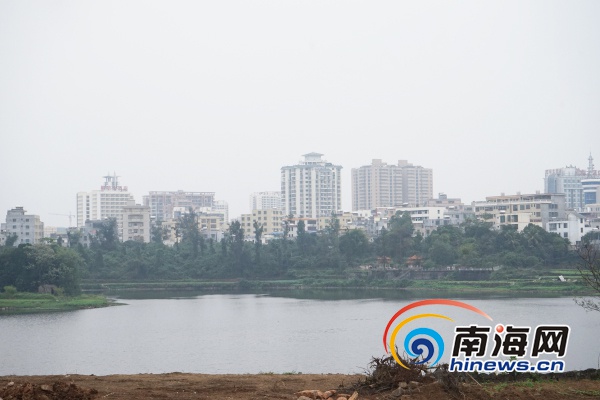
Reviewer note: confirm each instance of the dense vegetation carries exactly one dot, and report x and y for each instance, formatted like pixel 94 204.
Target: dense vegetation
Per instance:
pixel 474 244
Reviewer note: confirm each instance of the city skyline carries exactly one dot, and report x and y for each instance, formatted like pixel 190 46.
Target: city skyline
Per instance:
pixel 110 178
pixel 218 96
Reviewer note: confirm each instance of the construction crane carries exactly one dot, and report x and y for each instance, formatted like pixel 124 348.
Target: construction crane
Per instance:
pixel 70 215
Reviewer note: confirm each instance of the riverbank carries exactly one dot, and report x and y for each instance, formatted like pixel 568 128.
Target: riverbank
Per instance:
pixel 23 303
pixel 276 386
pixel 550 286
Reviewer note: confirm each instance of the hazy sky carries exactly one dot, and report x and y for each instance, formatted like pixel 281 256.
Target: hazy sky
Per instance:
pixel 219 95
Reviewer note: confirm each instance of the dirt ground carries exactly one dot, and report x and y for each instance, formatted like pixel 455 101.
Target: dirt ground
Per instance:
pixel 270 386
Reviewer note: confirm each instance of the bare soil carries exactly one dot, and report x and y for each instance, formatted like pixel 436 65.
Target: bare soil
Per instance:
pixel 271 386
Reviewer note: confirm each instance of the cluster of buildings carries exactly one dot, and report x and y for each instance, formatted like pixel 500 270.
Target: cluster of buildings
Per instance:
pixel 311 191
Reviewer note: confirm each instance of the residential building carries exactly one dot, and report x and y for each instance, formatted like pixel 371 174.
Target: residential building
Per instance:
pixel 136 223
pixel 310 226
pixel 265 200
pixel 384 185
pixel 591 191
pixel 56 234
pixel 444 201
pixel 347 221
pixel 270 219
pixel 573 227
pixel 108 202
pixel 212 224
pixel 376 185
pixel 569 180
pixel 162 203
pixel 521 210
pixel 28 227
pixel 417 183
pixel 312 188
pixel 220 207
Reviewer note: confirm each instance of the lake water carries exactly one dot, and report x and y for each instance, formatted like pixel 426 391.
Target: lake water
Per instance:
pixel 249 333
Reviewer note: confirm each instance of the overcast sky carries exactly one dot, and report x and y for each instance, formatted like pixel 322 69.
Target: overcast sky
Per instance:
pixel 219 95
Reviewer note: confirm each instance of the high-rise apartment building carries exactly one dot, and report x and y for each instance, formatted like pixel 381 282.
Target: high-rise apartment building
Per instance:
pixel 28 228
pixel 376 185
pixel 162 203
pixel 108 202
pixel 568 180
pixel 265 200
pixel 312 188
pixel 417 183
pixel 383 185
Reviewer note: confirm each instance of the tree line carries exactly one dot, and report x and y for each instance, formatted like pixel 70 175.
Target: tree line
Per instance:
pixel 472 244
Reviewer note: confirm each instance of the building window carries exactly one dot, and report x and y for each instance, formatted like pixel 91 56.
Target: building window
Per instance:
pixel 565 235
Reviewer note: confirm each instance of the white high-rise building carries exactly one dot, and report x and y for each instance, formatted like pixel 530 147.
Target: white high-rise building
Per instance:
pixel 312 188
pixel 28 228
pixel 265 200
pixel 383 185
pixel 417 183
pixel 108 202
pixel 376 185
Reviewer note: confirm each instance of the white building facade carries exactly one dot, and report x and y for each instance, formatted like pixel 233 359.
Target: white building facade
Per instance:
pixel 312 188
pixel 265 200
pixel 108 202
pixel 28 227
pixel 162 203
pixel 521 210
pixel 573 227
pixel 136 223
pixel 388 185
pixel 575 183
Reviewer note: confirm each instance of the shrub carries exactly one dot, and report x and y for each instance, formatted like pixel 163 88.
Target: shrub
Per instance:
pixel 10 291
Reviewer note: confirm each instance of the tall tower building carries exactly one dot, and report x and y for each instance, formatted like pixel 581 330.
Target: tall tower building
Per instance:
pixel 108 202
pixel 376 185
pixel 383 185
pixel 312 188
pixel 417 183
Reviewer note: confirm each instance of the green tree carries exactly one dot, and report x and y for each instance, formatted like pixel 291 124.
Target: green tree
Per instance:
pixel 442 253
pixel 236 243
pixel 190 233
pixel 354 245
pixel 258 231
pixel 108 234
pixel 397 241
pixel 11 239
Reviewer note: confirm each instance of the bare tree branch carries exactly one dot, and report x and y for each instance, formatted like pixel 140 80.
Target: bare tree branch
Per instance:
pixel 589 269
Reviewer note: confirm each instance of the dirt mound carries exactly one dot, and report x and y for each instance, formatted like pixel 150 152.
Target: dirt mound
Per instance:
pixel 55 391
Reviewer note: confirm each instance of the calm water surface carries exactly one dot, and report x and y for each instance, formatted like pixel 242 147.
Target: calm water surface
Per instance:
pixel 249 334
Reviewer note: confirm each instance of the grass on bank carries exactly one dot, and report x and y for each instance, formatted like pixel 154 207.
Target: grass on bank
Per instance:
pixel 12 302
